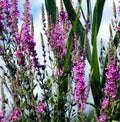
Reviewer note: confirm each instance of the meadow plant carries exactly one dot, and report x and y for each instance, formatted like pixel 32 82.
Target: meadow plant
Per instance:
pixel 68 45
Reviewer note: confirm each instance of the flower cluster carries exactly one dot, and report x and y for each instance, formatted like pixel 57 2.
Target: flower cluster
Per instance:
pixel 58 35
pixel 80 88
pixel 1 25
pixel 40 108
pixel 110 90
pixel 14 21
pixel 119 8
pixel 1 116
pixel 20 57
pixel 4 7
pixel 103 118
pixel 27 38
pixel 15 114
pixel 105 103
pixel 112 74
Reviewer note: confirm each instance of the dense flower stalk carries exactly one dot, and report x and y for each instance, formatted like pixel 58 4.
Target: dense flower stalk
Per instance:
pixel 119 7
pixel 15 114
pixel 112 74
pixel 110 90
pixel 27 37
pixel 1 18
pixel 7 15
pixel 14 21
pixel 58 35
pixel 20 57
pixel 80 88
pixel 40 108
pixel 1 116
pixel 4 8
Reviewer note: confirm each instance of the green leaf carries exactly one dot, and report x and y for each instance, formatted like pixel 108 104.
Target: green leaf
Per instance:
pixel 51 9
pixel 95 83
pixel 97 16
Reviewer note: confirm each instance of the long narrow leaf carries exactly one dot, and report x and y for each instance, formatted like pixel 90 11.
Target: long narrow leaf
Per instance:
pixel 97 16
pixel 51 9
pixel 95 84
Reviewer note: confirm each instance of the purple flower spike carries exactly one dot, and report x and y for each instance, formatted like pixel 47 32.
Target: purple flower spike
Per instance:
pixel 112 74
pixel 105 103
pixel 102 118
pixel 110 90
pixel 40 108
pixel 80 88
pixel 20 57
pixel 15 114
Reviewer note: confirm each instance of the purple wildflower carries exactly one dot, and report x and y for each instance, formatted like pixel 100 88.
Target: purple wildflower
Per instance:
pixel 6 4
pixel 40 108
pixel 15 114
pixel 4 8
pixel 57 41
pixel 80 88
pixel 118 28
pixel 58 35
pixel 103 118
pixel 1 24
pixel 105 103
pixel 20 57
pixel 27 38
pixel 14 21
pixel 1 115
pixel 119 8
pixel 63 16
pixel 110 90
pixel 112 74
pixel 58 72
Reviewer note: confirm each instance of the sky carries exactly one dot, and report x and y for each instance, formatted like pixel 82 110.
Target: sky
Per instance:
pixel 103 33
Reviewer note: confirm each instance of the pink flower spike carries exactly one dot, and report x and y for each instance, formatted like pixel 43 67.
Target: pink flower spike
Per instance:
pixel 119 8
pixel 112 74
pixel 102 118
pixel 80 88
pixel 15 114
pixel 40 108
pixel 1 115
pixel 105 103
pixel 118 28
